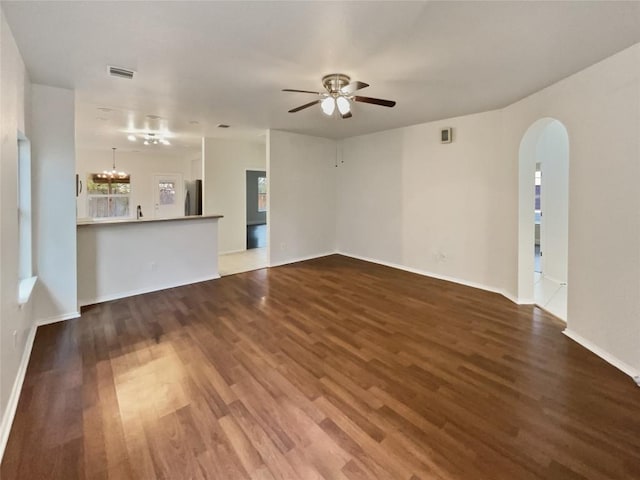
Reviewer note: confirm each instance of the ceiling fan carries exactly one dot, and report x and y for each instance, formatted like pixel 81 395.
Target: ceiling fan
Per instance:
pixel 339 95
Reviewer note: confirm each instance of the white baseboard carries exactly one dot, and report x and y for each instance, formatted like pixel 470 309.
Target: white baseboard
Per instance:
pixel 115 296
pixel 229 252
pixel 517 300
pixel 437 276
pixel 508 296
pixel 302 259
pixel 14 397
pixel 607 357
pixel 622 366
pixel 555 315
pixel 57 318
pixel 523 301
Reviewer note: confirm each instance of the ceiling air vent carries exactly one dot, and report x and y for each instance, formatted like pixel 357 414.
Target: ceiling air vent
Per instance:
pixel 120 72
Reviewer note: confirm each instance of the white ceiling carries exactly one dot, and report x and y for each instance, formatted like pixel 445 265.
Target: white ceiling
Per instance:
pixel 226 62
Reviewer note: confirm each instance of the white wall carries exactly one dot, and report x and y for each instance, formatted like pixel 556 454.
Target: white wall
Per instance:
pixel 301 175
pixel 15 107
pixel 370 196
pixel 600 107
pixel 225 165
pixel 141 166
pixel 53 173
pixel 406 199
pixel 552 152
pixel 196 168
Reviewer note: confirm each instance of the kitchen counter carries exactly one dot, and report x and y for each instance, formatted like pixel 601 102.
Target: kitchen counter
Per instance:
pixel 125 257
pixel 88 221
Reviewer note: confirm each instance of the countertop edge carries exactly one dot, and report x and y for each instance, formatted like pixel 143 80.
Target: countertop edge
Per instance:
pixel 84 223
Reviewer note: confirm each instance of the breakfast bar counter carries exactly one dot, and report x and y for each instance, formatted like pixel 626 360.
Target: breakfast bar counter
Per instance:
pixel 123 257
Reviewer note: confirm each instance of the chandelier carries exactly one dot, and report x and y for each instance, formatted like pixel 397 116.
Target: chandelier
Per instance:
pixel 113 174
pixel 150 139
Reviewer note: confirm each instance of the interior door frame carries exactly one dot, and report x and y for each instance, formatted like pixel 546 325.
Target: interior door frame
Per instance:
pixel 244 198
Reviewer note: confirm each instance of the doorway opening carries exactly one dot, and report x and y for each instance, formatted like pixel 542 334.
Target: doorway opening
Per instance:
pixel 544 157
pixel 256 193
pixel 227 162
pixel 255 254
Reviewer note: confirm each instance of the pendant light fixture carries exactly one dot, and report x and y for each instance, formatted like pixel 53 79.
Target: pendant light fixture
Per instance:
pixel 113 174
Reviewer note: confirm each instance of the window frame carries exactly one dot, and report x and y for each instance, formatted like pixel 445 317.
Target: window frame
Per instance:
pixel 24 203
pixel 109 196
pixel 262 194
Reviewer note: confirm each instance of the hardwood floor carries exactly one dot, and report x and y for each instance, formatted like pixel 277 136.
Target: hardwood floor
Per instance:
pixel 328 369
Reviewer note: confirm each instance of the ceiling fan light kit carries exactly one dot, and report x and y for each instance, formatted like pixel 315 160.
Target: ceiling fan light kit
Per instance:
pixel 340 94
pixel 328 105
pixel 343 104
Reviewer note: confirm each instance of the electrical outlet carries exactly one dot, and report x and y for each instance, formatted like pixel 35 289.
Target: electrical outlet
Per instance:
pixel 15 339
pixel 283 246
pixel 154 266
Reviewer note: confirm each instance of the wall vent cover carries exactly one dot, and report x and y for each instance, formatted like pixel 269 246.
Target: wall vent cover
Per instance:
pixel 223 125
pixel 120 72
pixel 446 135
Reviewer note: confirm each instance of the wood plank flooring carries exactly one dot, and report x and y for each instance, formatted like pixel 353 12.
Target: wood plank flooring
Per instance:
pixel 328 369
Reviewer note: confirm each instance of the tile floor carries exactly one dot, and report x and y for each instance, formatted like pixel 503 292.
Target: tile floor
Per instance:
pixel 550 295
pixel 246 261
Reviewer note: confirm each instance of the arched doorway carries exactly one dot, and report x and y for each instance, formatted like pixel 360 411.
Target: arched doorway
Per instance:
pixel 544 222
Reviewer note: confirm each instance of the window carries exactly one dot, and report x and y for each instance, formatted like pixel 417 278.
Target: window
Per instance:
pixel 537 209
pixel 25 269
pixel 262 194
pixel 108 197
pixel 167 192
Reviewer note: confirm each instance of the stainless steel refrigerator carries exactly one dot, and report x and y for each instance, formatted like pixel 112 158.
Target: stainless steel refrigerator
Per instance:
pixel 193 197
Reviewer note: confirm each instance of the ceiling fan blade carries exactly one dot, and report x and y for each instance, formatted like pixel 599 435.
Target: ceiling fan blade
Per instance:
pixel 299 91
pixel 352 87
pixel 375 101
pixel 302 107
pixel 347 115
